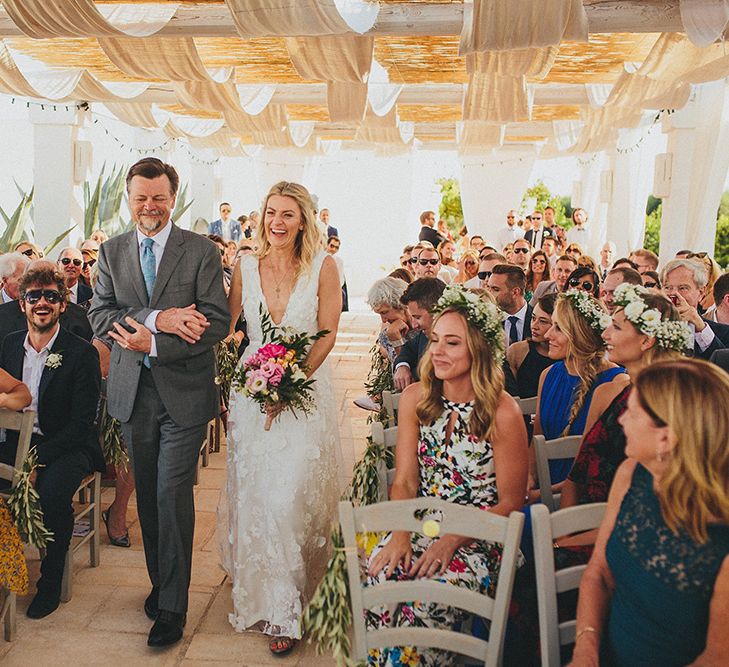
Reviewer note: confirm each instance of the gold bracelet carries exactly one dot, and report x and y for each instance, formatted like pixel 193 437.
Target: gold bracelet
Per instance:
pixel 587 628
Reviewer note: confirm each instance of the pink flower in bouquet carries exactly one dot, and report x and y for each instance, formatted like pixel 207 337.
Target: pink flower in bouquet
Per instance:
pixel 256 382
pixel 269 368
pixel 272 351
pixel 276 375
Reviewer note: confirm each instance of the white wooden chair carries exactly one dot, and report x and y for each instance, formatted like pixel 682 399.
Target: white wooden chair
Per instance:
pixel 23 423
pixel 549 450
pixel 528 406
pixel 391 403
pixel 546 529
pixel 458 520
pixel 386 437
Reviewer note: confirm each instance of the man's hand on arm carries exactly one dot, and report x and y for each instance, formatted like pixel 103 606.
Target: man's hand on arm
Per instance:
pixel 140 340
pixel 187 323
pixel 403 377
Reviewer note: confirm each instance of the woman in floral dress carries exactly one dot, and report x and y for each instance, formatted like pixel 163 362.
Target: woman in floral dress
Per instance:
pixel 461 438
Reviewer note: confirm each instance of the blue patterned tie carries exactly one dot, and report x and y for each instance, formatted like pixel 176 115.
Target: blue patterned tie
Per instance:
pixel 149 271
pixel 149 265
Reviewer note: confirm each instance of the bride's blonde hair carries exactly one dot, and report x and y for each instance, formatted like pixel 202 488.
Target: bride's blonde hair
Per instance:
pixel 309 241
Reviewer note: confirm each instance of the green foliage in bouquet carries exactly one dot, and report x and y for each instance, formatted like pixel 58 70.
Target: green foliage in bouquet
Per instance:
pixel 25 508
pixel 226 359
pixel 112 444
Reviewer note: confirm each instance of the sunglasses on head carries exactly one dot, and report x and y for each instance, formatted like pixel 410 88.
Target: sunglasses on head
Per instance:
pixel 484 275
pixel 67 260
pixel 52 296
pixel 521 250
pixel 425 262
pixel 697 255
pixel 587 285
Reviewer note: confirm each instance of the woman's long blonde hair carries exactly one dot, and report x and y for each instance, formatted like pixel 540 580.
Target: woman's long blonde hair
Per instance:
pixel 311 239
pixel 689 396
pixel 585 351
pixel 487 379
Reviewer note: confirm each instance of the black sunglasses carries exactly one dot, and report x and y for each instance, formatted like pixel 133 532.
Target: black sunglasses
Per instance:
pixel 649 285
pixel 484 275
pixel 89 264
pixel 413 260
pixel 587 285
pixel 470 262
pixel 521 250
pixel 425 262
pixel 67 260
pixel 52 296
pixel 29 252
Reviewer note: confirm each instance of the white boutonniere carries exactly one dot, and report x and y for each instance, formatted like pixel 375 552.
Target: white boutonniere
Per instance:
pixel 54 360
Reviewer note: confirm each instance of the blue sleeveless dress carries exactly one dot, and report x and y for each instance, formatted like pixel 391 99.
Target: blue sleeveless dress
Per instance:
pixel 555 404
pixel 659 614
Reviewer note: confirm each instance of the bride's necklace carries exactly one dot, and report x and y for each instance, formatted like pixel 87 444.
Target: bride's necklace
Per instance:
pixel 278 283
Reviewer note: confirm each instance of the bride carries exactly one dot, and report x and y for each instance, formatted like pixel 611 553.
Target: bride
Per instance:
pixel 282 482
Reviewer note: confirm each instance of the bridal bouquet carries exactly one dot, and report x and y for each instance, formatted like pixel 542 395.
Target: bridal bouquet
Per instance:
pixel 276 374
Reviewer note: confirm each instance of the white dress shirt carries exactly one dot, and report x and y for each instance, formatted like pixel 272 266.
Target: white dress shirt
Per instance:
pixel 73 293
pixel 33 365
pixel 508 235
pixel 581 237
pixel 6 298
pixel 158 248
pixel 521 315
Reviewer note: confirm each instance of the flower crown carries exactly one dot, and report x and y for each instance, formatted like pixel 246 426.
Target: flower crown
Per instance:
pixel 589 308
pixel 669 334
pixel 485 316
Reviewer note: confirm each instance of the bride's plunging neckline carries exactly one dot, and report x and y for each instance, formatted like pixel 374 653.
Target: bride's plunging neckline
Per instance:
pixel 265 300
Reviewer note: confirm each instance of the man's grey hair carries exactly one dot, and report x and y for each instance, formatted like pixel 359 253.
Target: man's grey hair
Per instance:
pixel 11 262
pixel 698 271
pixel 387 292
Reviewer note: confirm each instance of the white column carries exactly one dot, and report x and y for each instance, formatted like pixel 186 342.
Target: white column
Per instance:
pixel 632 165
pixel 490 187
pixel 698 143
pixel 55 205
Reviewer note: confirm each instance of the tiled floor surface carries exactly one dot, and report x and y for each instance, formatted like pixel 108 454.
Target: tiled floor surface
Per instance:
pixel 103 624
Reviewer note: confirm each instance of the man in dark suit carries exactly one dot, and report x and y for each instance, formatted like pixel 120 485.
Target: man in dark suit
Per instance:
pixel 684 283
pixel 70 264
pixel 159 305
pixel 324 217
pixel 427 231
pixel 538 232
pixel 507 283
pixel 419 298
pixel 62 372
pixel 73 317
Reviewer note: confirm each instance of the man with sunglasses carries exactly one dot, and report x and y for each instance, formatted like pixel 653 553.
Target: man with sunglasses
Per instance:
pixel 536 235
pixel 486 266
pixel 511 232
pixel 159 305
pixel 70 263
pixel 426 264
pixel 521 254
pixel 62 373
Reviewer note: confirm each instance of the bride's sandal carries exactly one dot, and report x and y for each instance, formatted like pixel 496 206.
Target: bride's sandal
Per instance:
pixel 281 645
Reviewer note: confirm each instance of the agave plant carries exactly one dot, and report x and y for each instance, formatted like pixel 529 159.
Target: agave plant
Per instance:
pixel 18 225
pixel 102 206
pixel 181 205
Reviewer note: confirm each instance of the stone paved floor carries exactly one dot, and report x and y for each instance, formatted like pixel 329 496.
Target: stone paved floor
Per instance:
pixel 103 624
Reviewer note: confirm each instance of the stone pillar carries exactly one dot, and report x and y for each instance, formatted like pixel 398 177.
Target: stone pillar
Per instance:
pixel 698 149
pixel 56 206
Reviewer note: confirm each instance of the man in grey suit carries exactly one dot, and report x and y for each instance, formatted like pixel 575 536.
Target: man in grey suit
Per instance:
pixel 159 304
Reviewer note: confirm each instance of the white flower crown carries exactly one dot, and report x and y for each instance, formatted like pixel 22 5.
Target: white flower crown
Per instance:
pixel 589 308
pixel 485 316
pixel 669 334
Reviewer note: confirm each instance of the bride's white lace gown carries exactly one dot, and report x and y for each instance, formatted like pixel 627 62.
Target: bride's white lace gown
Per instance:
pixel 282 485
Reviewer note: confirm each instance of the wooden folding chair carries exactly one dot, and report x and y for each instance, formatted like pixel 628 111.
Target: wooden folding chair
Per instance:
pixel 550 450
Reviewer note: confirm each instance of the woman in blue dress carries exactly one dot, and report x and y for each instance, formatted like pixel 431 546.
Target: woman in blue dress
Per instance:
pixel 656 590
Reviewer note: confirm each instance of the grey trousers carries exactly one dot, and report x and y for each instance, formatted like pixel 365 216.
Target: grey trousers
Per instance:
pixel 164 459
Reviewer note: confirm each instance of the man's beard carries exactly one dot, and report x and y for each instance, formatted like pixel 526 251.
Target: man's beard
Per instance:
pixel 44 328
pixel 149 223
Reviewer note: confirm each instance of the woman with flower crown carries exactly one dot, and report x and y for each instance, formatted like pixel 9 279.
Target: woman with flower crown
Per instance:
pixel 461 438
pixel 566 388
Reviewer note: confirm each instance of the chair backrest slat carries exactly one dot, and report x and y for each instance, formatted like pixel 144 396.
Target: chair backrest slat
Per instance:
pixel 528 406
pixel 457 642
pixel 23 423
pixel 391 403
pixel 546 451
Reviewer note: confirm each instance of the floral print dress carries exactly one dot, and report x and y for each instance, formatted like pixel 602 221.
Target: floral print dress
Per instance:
pixel 459 470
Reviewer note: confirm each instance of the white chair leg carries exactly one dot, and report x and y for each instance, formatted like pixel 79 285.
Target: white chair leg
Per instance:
pixel 9 611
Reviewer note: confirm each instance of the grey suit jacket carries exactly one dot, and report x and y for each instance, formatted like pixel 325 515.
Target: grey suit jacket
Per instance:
pixel 189 272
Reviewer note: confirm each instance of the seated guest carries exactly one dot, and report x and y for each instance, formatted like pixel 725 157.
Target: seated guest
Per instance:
pixel 507 284
pixel 529 358
pixel 73 318
pixel 62 372
pixel 401 274
pixel 644 260
pixel 12 266
pixel 615 277
pixel 485 268
pixel 30 250
pixel 566 388
pixel 624 261
pixel 720 311
pixel 447 250
pixel 467 267
pixel 384 299
pixel 651 280
pixel 538 272
pixel 634 343
pixel 656 590
pixel 586 279
pixel 419 298
pixel 574 250
pixel 684 282
pixel 713 271
pixel 563 267
pixel 521 253
pixel 587 261
pixel 460 438
pixel 70 264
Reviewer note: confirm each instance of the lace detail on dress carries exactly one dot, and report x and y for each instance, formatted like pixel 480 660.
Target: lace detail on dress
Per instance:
pixel 282 485
pixel 676 560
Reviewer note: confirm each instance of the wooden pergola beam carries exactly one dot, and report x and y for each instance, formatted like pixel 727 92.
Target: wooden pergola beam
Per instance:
pixel 416 19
